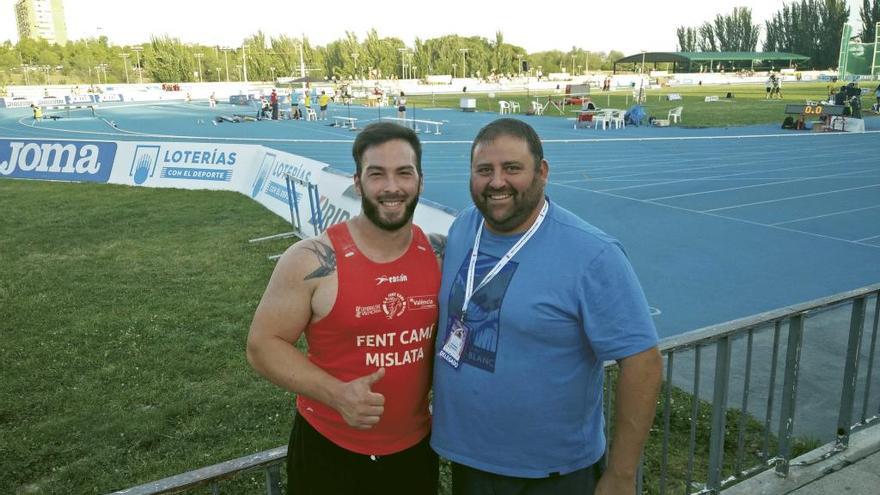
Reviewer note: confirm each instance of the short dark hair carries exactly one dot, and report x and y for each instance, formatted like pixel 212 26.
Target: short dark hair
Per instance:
pixel 381 132
pixel 514 128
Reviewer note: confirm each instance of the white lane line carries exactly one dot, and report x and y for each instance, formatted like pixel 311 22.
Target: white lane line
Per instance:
pixel 842 212
pixel 790 198
pixel 732 219
pixel 750 186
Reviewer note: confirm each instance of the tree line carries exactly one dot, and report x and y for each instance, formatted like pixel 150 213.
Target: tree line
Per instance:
pixel 263 58
pixel 806 27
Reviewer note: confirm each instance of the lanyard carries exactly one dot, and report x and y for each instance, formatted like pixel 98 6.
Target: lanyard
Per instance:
pixel 472 266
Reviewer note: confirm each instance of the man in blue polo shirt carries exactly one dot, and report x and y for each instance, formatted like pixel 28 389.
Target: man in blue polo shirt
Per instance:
pixel 533 300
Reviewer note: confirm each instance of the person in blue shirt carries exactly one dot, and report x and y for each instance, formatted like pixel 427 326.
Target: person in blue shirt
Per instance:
pixel 533 300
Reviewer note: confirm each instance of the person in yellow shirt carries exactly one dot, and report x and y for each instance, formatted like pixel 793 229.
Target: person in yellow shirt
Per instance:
pixel 38 112
pixel 323 102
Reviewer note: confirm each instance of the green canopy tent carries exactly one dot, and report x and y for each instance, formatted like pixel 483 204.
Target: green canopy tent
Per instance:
pixel 687 61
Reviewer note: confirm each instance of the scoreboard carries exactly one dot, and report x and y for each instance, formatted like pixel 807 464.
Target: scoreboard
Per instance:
pixel 815 110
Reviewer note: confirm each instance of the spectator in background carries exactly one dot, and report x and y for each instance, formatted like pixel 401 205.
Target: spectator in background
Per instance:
pixel 588 104
pixel 38 112
pixel 273 102
pixel 401 106
pixel 777 87
pixel 877 95
pixel 323 103
pixel 295 113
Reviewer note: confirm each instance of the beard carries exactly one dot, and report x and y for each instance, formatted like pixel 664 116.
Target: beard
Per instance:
pixel 509 219
pixel 370 209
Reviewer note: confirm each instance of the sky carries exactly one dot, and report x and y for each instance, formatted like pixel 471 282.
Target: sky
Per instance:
pixel 629 27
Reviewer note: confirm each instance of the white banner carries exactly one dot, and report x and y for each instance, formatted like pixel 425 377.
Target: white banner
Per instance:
pixel 256 171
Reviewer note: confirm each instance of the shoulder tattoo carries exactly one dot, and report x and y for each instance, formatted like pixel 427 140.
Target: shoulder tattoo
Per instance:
pixel 326 259
pixel 438 244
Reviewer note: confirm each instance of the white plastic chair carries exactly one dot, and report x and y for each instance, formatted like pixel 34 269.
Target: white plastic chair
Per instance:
pixel 618 119
pixel 537 107
pixel 311 114
pixel 514 106
pixel 675 115
pixel 504 107
pixel 603 117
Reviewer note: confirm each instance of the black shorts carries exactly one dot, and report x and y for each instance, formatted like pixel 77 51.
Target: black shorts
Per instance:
pixel 323 107
pixel 317 466
pixel 469 481
pixel 401 108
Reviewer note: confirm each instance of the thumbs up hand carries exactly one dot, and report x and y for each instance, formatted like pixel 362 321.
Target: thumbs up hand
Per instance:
pixel 359 406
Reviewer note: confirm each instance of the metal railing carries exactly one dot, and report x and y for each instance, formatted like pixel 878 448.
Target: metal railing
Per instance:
pixel 795 342
pixel 804 344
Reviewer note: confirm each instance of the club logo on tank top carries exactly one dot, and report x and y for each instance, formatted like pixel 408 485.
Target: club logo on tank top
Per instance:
pixel 393 305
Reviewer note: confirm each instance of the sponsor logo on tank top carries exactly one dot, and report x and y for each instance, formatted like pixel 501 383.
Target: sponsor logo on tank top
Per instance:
pixel 395 304
pixel 421 302
pixel 391 279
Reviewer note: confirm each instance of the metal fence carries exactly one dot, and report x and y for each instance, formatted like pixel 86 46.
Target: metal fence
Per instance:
pixel 783 382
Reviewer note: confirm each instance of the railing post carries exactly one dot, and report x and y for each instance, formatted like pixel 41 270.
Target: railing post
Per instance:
pixel 273 480
pixel 667 410
pixel 851 372
pixel 873 346
pixel 719 412
pixel 789 391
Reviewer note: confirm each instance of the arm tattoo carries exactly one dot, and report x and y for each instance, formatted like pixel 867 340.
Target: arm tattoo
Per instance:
pixel 438 243
pixel 327 259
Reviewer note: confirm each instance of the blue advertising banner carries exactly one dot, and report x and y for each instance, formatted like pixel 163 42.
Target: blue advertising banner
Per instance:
pixel 77 161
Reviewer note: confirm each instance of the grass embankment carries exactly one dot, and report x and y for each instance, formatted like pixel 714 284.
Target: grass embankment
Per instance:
pixel 124 313
pixel 748 106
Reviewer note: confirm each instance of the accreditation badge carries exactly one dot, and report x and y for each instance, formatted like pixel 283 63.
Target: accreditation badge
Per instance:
pixel 455 342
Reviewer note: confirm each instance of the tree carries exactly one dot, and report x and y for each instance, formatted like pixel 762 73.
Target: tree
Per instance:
pixel 706 40
pixel 727 33
pixel 870 14
pixel 808 27
pixel 168 60
pixel 687 39
pixel 735 32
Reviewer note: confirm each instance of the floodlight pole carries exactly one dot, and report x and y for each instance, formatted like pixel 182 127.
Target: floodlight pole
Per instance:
pixel 463 61
pixel 226 59
pixel 125 64
pixel 244 61
pixel 402 63
pixel 137 51
pixel 199 59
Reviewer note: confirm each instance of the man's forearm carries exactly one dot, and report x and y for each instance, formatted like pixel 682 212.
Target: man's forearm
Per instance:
pixel 286 366
pixel 635 402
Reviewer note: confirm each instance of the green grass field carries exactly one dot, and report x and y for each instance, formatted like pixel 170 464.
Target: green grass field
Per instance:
pixel 748 105
pixel 124 313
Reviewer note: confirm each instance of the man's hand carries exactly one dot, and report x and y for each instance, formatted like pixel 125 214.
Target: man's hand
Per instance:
pixel 359 406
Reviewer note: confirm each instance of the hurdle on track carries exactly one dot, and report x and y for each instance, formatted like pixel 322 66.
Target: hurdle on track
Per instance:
pixel 316 218
pixel 68 108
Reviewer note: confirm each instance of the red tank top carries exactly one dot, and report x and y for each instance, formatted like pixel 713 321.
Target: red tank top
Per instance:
pixel 385 315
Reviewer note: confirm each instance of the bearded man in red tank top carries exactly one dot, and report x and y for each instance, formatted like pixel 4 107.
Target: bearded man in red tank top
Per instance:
pixel 364 293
